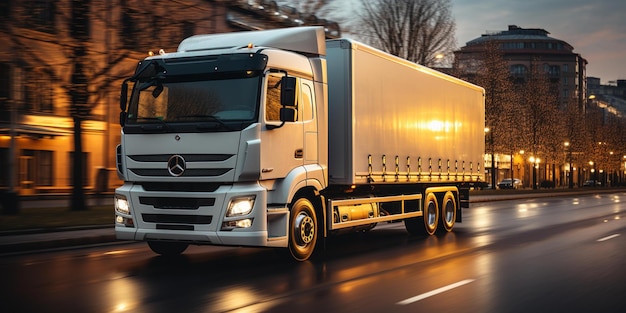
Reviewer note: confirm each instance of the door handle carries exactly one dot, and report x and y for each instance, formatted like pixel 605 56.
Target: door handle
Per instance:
pixel 298 154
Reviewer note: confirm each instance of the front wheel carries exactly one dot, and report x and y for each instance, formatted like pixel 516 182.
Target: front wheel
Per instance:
pixel 302 229
pixel 166 248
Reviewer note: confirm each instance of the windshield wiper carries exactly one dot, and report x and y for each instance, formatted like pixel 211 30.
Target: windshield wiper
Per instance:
pixel 161 126
pixel 213 123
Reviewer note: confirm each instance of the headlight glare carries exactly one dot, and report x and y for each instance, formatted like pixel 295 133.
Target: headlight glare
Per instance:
pixel 240 206
pixel 121 204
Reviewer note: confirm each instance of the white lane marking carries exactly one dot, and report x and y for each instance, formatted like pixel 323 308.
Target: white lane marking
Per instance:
pixel 435 292
pixel 608 237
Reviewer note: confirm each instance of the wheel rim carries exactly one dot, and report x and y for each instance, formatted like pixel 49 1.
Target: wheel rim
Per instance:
pixel 449 212
pixel 432 214
pixel 304 229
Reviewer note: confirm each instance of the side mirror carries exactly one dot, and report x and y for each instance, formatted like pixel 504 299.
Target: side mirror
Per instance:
pixel 123 118
pixel 124 96
pixel 287 114
pixel 288 91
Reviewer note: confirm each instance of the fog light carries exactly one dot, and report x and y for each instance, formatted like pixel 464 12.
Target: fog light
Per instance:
pixel 128 222
pixel 230 225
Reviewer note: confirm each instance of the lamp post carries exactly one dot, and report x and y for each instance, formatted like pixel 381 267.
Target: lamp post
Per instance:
pixel 610 172
pixel 570 182
pixel 521 175
pixel 493 163
pixel 534 162
pixel 624 171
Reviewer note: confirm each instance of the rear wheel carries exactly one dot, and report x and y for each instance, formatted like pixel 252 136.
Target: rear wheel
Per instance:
pixel 302 229
pixel 166 248
pixel 427 223
pixel 448 212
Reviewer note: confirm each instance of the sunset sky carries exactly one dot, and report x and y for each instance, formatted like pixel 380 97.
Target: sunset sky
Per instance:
pixel 595 28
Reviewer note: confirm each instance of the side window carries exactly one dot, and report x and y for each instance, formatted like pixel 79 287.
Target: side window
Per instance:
pixel 306 105
pixel 272 100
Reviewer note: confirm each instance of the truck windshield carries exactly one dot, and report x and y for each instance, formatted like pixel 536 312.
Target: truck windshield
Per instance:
pixel 195 103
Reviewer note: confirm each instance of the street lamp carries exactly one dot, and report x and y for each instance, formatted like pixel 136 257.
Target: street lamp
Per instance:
pixel 624 172
pixel 493 163
pixel 535 164
pixel 569 160
pixel 523 166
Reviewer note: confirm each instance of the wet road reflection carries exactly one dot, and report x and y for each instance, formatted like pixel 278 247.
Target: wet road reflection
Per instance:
pixel 507 256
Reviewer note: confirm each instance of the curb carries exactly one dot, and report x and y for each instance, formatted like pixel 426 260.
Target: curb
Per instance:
pixel 40 239
pixel 55 244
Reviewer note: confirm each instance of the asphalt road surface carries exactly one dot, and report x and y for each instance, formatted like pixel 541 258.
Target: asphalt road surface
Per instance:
pixel 559 254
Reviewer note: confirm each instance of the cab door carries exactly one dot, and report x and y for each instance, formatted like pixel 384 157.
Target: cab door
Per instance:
pixel 309 122
pixel 282 144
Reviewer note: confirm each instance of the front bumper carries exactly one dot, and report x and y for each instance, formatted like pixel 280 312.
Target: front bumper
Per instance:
pixel 200 217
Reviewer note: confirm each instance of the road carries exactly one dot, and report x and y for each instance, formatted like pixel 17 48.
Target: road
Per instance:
pixel 558 254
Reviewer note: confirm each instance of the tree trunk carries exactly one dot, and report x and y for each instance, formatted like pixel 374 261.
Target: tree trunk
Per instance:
pixel 78 193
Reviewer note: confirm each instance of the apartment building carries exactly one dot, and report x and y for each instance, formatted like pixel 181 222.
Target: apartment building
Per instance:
pixel 45 65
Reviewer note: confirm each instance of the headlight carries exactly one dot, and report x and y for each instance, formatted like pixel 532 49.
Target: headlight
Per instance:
pixel 240 206
pixel 121 204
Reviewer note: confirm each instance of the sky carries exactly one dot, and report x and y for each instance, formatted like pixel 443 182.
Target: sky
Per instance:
pixel 595 28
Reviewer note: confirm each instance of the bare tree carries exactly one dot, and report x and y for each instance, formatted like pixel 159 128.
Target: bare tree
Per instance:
pixel 604 142
pixel 97 44
pixel 500 109
pixel 421 31
pixel 538 118
pixel 575 137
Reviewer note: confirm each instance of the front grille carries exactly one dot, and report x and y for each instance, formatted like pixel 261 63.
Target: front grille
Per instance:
pixel 185 186
pixel 175 227
pixel 177 203
pixel 188 173
pixel 187 157
pixel 197 165
pixel 176 218
pixel 118 158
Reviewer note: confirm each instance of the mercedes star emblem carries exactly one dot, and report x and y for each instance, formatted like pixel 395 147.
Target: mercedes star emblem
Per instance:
pixel 176 165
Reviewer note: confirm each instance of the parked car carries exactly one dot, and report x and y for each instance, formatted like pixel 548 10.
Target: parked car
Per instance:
pixel 510 183
pixel 591 183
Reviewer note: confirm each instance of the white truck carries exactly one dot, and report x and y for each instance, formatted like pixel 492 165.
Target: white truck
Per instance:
pixel 279 138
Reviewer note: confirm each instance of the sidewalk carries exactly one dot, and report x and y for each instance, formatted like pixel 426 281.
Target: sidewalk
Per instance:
pixel 39 239
pixel 30 240
pixel 62 238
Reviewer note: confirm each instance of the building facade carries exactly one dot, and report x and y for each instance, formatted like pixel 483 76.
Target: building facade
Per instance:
pixel 39 71
pixel 524 48
pixel 612 95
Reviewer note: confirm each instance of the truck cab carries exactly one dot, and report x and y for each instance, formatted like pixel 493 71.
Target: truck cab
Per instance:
pixel 217 140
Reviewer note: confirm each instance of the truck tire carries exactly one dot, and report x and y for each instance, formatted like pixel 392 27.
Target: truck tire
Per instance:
pixel 303 229
pixel 448 213
pixel 427 223
pixel 166 248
